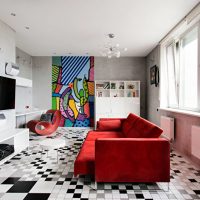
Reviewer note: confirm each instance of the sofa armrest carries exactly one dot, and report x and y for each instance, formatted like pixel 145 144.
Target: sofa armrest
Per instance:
pixel 132 160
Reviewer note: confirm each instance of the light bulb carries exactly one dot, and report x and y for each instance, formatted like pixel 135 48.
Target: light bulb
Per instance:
pixel 117 45
pixel 118 54
pixel 103 54
pixel 125 49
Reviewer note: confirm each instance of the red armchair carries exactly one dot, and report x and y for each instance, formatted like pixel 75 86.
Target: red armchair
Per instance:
pixel 48 128
pixel 131 152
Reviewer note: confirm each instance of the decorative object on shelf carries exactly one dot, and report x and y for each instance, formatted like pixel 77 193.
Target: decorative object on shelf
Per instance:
pixel 110 49
pixel 113 86
pixel 154 75
pixel 130 86
pixel 121 86
pixel 129 94
pixel 99 94
pixel 11 69
pixel 106 86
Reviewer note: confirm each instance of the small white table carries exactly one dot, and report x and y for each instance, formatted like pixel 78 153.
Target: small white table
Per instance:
pixel 51 144
pixel 29 112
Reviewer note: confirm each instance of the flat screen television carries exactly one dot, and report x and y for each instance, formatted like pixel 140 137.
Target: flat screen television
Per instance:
pixel 7 93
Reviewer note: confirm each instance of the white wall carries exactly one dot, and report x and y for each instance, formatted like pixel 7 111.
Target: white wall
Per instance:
pixel 7 54
pixel 42 67
pixel 23 94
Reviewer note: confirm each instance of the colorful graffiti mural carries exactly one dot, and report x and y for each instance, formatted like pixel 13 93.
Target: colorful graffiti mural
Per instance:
pixel 73 89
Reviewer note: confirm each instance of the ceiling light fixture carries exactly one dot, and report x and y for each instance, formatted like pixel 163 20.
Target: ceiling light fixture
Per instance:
pixel 110 49
pixel 13 14
pixel 27 27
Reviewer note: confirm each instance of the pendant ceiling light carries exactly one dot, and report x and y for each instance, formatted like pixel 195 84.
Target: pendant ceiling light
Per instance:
pixel 110 49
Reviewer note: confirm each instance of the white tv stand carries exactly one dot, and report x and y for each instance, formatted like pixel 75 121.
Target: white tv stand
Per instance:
pixel 17 137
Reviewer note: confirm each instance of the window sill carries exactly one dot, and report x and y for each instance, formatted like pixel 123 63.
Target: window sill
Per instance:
pixel 185 112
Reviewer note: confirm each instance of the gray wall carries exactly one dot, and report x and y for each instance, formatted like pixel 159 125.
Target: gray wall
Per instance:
pixel 153 92
pixel 183 123
pixel 124 68
pixel 42 67
pixel 24 60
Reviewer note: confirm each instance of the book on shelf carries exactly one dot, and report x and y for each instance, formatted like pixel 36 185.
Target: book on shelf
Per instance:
pixel 106 86
pixel 99 86
pixel 113 85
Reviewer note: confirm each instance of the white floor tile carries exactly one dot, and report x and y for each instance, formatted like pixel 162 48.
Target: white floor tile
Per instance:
pixel 43 187
pixel 14 196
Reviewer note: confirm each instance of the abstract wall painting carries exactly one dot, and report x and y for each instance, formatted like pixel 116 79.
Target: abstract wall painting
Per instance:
pixel 73 90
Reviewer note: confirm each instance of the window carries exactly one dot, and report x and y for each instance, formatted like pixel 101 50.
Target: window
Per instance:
pixel 189 70
pixel 182 73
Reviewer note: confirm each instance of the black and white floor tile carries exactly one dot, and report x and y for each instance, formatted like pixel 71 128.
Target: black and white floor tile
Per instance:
pixel 32 175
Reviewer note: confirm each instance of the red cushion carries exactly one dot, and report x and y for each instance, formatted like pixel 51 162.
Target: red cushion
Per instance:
pixel 93 135
pixel 141 128
pixel 109 125
pixel 85 161
pixel 127 124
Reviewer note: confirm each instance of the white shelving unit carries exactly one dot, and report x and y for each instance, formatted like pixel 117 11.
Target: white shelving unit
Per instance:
pixel 23 82
pixel 17 137
pixel 116 98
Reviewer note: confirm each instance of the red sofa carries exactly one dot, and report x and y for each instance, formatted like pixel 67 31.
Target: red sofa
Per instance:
pixel 125 150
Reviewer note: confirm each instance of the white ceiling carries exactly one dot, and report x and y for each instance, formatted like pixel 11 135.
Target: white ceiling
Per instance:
pixel 79 26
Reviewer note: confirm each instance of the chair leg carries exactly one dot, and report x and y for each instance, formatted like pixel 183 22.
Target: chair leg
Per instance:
pixel 95 185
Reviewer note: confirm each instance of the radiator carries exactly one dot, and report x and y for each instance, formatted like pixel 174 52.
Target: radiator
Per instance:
pixel 167 124
pixel 195 141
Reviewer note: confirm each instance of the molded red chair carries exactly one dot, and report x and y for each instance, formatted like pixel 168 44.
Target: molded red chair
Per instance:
pixel 48 127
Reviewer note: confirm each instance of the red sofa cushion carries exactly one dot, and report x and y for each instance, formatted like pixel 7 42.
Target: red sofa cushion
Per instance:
pixel 127 124
pixel 137 127
pixel 85 161
pixel 109 125
pixel 93 135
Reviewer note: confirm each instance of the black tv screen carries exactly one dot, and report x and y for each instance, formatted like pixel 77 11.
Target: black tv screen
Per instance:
pixel 7 93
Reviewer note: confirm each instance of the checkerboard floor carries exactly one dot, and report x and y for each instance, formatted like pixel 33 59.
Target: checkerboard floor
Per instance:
pixel 32 175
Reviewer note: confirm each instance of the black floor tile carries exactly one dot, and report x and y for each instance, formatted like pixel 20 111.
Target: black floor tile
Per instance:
pixel 11 180
pixel 192 180
pixel 77 196
pixel 70 191
pixel 139 196
pixel 197 191
pixel 37 196
pixel 22 187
